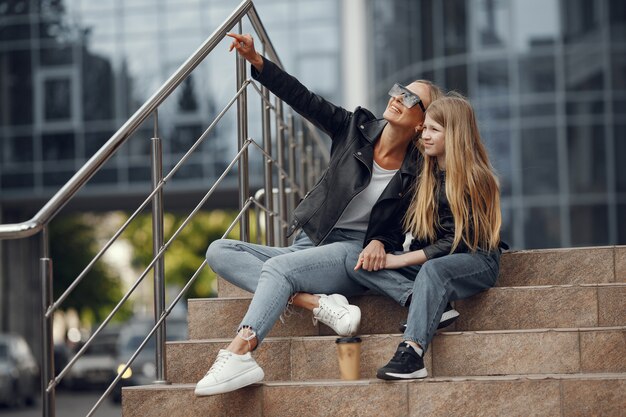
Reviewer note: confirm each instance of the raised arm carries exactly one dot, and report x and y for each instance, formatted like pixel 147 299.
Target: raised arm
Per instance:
pixel 315 108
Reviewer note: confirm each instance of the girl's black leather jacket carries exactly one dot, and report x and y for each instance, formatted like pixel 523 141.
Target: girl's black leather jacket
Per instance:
pixel 353 136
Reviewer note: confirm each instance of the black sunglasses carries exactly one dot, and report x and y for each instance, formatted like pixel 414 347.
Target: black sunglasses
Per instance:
pixel 409 98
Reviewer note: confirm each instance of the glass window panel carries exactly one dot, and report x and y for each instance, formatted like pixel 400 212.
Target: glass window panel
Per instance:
pixel 456 78
pixel 183 19
pixel 537 74
pixel 492 23
pixel 619 132
pixel 535 29
pixel 542 227
pixel 14 30
pixel 19 149
pixel 493 78
pixel 57 99
pixel 584 106
pixel 20 89
pixel 539 161
pixel 139 174
pixel 584 71
pixel 56 178
pixel 320 74
pixel 619 106
pixel 536 108
pixel 18 181
pixel 426 30
pixel 581 22
pixel 142 72
pixel 104 176
pixel 98 87
pixel 618 68
pixel 589 225
pixel 621 224
pixel 586 148
pixel 507 232
pixel 100 25
pixel 56 55
pixel 58 147
pixel 498 143
pixel 307 10
pixel 455 27
pixel 183 138
pixel 488 111
pixel 318 37
pixel 617 17
pixel 14 8
pixel 143 21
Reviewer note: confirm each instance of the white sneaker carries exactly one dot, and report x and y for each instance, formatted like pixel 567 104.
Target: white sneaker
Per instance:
pixel 229 372
pixel 335 312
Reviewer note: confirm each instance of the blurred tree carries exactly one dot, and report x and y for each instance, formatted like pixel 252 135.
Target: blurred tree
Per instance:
pixel 187 251
pixel 74 245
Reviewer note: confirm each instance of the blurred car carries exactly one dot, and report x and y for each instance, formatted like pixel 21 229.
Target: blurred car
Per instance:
pixel 19 373
pixel 143 369
pixel 96 367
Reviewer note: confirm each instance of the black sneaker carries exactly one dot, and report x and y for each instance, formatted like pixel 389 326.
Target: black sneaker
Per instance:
pixel 448 317
pixel 405 364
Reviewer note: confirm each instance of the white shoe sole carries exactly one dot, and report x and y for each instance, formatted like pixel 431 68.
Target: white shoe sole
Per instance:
pixel 420 373
pixel 249 377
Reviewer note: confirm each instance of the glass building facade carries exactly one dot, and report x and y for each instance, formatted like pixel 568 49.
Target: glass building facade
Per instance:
pixel 548 81
pixel 73 71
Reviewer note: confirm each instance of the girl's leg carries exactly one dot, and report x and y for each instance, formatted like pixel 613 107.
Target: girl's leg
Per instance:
pixel 240 263
pixel 449 278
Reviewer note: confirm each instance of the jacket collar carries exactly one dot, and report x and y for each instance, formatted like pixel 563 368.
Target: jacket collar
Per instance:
pixel 372 131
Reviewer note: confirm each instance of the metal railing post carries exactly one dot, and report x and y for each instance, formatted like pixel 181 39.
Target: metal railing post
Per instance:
pixel 302 163
pixel 157 244
pixel 292 162
pixel 47 340
pixel 267 144
pixel 242 136
pixel 280 145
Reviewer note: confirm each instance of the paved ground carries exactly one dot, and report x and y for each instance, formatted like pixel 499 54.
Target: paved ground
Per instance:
pixel 70 404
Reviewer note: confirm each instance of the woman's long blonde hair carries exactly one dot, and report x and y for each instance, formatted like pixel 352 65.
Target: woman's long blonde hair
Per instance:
pixel 471 186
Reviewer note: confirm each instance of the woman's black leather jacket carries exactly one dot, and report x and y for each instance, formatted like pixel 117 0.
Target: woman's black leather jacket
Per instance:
pixel 353 136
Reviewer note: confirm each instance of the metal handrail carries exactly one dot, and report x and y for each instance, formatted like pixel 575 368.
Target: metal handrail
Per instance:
pixel 39 222
pixel 62 197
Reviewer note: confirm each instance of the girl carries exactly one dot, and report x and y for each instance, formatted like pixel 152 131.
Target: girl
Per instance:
pixel 455 220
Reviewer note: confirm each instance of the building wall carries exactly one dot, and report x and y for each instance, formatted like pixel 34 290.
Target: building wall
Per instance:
pixel 547 79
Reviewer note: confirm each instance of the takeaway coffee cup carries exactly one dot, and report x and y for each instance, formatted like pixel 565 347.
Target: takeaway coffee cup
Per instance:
pixel 349 356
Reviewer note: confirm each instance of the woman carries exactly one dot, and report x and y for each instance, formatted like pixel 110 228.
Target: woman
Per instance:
pixel 455 220
pixel 370 174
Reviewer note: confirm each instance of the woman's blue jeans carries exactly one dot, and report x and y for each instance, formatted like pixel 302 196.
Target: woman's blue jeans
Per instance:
pixel 275 274
pixel 431 286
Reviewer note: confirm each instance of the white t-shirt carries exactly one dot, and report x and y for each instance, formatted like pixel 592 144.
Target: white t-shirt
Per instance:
pixel 356 216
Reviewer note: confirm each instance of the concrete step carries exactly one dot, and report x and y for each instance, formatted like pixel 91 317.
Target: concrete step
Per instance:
pixel 563 351
pixel 527 395
pixel 591 265
pixel 499 308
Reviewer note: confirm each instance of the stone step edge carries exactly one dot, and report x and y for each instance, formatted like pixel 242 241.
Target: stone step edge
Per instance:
pixel 517 287
pixel 482 378
pixel 445 333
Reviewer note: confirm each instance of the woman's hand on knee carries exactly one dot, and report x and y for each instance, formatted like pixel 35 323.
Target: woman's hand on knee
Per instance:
pixel 373 257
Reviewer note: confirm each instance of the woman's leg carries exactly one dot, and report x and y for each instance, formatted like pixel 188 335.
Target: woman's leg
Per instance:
pixel 318 270
pixel 240 262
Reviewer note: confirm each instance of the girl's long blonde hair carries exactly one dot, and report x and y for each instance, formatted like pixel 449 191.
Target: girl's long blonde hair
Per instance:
pixel 471 186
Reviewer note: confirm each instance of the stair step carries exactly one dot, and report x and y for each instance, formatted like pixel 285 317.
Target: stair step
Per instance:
pixel 562 306
pixel 538 267
pixel 587 350
pixel 528 395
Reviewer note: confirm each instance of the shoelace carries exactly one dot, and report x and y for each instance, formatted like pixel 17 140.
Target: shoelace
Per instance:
pixel 221 359
pixel 326 315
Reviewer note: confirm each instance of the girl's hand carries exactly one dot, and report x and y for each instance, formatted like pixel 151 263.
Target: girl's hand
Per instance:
pixel 373 257
pixel 244 44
